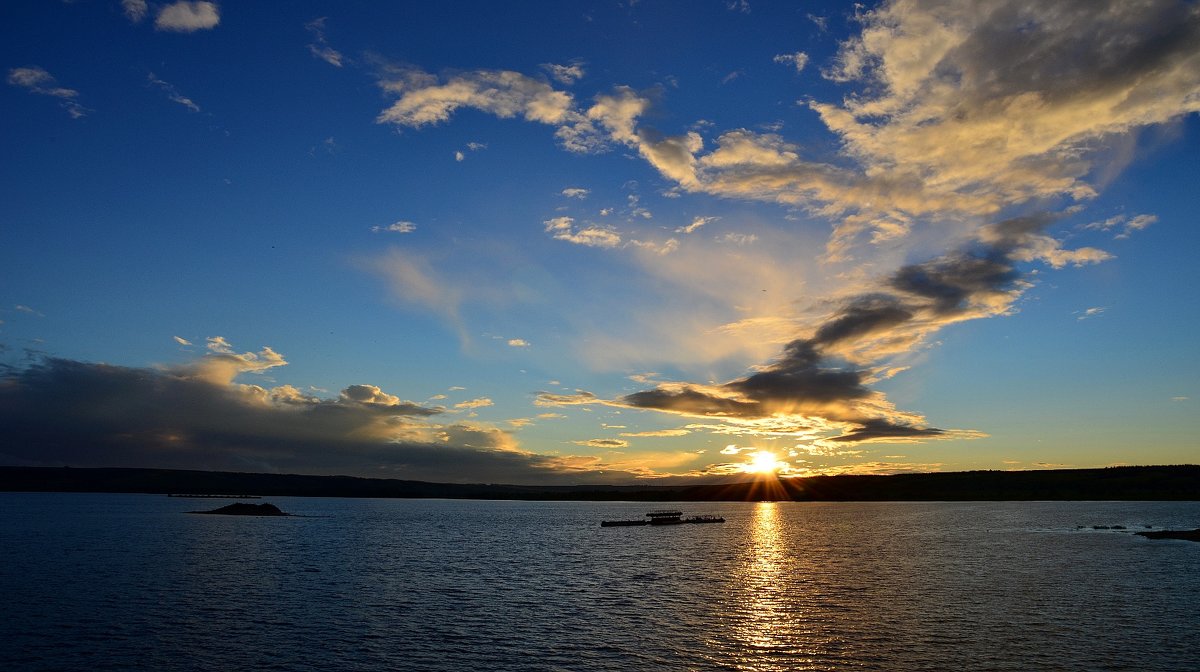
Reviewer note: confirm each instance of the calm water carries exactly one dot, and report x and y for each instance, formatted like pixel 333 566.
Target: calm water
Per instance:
pixel 128 581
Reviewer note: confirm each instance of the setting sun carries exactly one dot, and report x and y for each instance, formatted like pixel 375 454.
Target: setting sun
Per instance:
pixel 762 462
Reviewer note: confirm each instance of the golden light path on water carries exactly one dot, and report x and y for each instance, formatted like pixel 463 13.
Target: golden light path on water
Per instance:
pixel 762 624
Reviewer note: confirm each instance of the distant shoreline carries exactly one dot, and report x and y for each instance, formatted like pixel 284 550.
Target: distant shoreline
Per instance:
pixel 1148 483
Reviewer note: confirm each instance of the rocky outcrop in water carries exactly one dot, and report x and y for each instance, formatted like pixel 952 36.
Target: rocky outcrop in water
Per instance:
pixel 1186 535
pixel 244 509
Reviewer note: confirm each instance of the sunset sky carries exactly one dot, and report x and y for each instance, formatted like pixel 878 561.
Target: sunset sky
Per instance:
pixel 581 242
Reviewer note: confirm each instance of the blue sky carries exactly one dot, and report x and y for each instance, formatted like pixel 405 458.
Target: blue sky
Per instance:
pixel 599 242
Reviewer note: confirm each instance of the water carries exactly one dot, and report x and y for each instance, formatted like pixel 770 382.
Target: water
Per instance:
pixel 95 582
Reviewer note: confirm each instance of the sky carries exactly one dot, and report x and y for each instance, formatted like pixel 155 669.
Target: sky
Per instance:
pixel 599 242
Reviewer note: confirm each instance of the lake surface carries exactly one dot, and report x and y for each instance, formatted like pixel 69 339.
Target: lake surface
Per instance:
pixel 118 582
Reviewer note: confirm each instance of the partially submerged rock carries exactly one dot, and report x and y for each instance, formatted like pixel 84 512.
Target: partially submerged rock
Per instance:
pixel 244 509
pixel 1186 535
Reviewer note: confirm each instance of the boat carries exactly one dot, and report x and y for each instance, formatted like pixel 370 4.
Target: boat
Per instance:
pixel 664 517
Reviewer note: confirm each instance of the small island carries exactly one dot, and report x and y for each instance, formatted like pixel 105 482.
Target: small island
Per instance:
pixel 1186 535
pixel 244 509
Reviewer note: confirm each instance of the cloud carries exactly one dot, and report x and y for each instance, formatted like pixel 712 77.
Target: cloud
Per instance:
pixel 564 228
pixel 697 222
pixel 414 280
pixel 603 443
pixel 64 412
pixel 38 81
pixel 423 101
pixel 187 17
pixel 181 340
pixel 658 433
pixel 819 388
pixel 969 121
pixel 319 47
pixel 576 192
pixel 964 110
pixel 135 10
pixel 1091 312
pixel 581 397
pixel 564 74
pixel 797 60
pixel 27 310
pixel 173 94
pixel 395 227
pixel 518 343
pixel 459 156
pixel 1127 225
pixel 475 403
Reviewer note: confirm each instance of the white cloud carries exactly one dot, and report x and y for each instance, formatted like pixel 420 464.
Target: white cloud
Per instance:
pixel 173 94
pixel 506 94
pixel 135 10
pixel 459 156
pixel 564 74
pixel 187 17
pixel 319 47
pixel 576 192
pixel 474 403
pixel 395 227
pixel 1091 312
pixel 797 60
pixel 182 341
pixel 38 81
pixel 223 364
pixel 697 222
pixel 518 343
pixel 563 228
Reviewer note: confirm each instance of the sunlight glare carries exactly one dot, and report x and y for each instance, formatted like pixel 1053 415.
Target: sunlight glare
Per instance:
pixel 762 462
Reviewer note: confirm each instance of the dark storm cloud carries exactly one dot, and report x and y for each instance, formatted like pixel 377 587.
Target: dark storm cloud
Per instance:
pixel 825 377
pixel 58 411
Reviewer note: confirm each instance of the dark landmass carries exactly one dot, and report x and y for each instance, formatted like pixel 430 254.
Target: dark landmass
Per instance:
pixel 243 509
pixel 1186 535
pixel 1173 483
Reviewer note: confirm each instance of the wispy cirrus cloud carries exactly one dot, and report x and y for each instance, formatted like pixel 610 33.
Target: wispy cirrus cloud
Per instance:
pixel 400 226
pixel 172 93
pixel 36 80
pixel 797 60
pixel 320 47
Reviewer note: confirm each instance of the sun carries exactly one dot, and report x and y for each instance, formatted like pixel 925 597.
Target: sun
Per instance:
pixel 762 462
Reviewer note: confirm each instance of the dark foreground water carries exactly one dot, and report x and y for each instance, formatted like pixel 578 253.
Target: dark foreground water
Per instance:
pixel 94 582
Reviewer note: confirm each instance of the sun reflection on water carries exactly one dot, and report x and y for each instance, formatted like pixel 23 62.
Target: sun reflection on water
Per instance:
pixel 763 618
